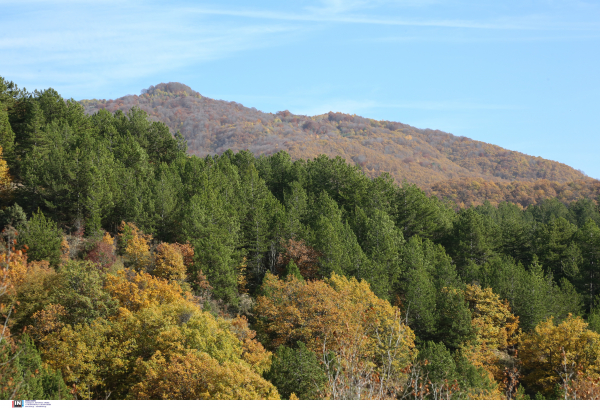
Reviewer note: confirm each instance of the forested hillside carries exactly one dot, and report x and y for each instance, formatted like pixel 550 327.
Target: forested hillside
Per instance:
pixel 134 270
pixel 422 156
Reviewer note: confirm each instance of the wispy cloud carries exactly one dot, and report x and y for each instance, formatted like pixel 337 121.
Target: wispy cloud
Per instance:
pixel 322 16
pixel 86 49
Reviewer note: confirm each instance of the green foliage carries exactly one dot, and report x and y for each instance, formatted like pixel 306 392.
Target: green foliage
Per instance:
pixel 440 365
pixel 472 242
pixel 42 238
pixel 39 382
pixel 80 291
pixel 245 215
pixel 473 380
pixel 30 379
pixel 297 370
pixel 14 216
pixel 454 319
pixel 291 269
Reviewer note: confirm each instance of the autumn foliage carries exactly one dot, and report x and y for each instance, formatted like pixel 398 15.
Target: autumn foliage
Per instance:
pixel 304 257
pixel 130 269
pixel 342 321
pixel 559 354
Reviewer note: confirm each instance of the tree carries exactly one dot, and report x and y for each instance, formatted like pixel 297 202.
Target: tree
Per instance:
pixel 5 178
pixel 297 371
pixel 588 240
pixel 79 289
pixel 453 326
pixel 419 291
pixel 473 242
pixel 158 337
pixel 304 257
pixel 417 214
pixel 168 262
pixel 42 238
pixel 33 379
pixel 212 227
pixel 495 329
pixel 383 244
pixel 197 376
pixel 135 245
pixel 555 354
pixel 359 338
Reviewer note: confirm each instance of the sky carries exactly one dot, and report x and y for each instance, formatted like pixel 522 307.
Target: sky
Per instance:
pixel 521 74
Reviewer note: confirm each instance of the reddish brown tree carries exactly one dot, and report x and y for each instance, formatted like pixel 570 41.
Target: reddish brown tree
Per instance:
pixel 305 257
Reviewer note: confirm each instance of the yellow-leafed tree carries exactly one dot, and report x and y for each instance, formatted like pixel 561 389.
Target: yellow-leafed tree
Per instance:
pixel 135 245
pixel 169 263
pixel 558 354
pixel 359 337
pixel 159 344
pixel 5 179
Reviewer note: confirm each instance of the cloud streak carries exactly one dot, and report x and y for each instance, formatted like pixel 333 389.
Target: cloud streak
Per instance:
pixel 324 17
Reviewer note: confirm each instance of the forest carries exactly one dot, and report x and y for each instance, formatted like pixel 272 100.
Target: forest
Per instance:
pixel 133 269
pixel 440 163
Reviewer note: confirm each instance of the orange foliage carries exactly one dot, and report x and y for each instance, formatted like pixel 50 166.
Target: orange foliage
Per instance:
pixel 13 270
pixel 318 312
pixel 187 252
pixel 304 256
pixel 466 192
pixel 344 318
pixel 47 321
pixel 65 250
pixel 584 387
pixel 253 351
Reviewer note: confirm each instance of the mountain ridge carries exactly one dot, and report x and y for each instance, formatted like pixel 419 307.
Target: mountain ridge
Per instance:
pixel 424 157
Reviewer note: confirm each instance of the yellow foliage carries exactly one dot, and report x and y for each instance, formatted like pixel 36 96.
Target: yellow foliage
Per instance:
pixel 139 290
pixel 197 376
pixel 13 270
pixel 88 356
pixel 557 354
pixel 253 351
pixel 342 316
pixel 495 329
pixel 137 247
pixel 168 262
pixel 158 341
pixel 108 239
pixel 64 250
pixel 47 321
pixel 5 179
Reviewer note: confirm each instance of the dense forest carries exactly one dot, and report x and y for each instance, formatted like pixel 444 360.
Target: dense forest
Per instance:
pixel 428 158
pixel 132 269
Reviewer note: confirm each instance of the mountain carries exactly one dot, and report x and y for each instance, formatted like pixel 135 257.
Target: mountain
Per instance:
pixel 439 162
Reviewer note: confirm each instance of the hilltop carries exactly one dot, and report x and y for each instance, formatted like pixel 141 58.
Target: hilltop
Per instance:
pixel 428 158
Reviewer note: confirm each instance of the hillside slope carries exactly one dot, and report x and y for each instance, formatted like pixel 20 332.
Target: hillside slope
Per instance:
pixel 422 156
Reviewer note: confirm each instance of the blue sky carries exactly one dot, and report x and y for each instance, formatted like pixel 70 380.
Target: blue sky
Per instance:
pixel 523 74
